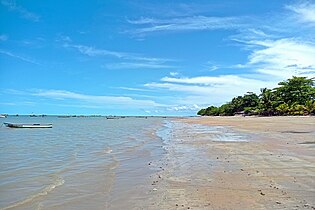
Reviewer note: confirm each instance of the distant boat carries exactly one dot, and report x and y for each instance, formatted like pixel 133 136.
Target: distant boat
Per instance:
pixel 2 116
pixel 64 116
pixel 112 117
pixel 21 125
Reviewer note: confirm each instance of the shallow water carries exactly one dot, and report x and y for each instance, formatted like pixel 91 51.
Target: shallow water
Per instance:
pixel 80 163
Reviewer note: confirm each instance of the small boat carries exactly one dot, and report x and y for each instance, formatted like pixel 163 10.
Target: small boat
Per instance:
pixel 21 125
pixel 112 117
pixel 3 116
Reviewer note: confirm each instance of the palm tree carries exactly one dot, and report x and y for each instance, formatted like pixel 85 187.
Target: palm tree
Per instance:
pixel 310 107
pixel 266 101
pixel 283 108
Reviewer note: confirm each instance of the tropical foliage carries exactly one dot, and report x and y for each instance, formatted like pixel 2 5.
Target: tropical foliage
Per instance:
pixel 295 96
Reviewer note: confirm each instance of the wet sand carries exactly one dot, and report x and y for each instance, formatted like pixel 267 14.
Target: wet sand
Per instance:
pixel 274 168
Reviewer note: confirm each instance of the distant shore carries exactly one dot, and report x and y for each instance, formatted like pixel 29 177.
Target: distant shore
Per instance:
pixel 273 169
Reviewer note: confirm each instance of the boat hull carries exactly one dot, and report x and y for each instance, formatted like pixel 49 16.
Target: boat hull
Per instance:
pixel 14 125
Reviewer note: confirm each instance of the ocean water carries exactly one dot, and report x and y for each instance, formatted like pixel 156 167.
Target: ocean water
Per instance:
pixel 80 163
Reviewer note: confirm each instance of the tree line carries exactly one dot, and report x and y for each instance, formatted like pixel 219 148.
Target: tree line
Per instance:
pixel 295 96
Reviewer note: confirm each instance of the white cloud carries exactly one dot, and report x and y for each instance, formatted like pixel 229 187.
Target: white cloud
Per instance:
pixel 92 52
pixel 142 21
pixel 257 32
pixel 18 57
pixel 24 13
pixel 194 94
pixel 186 24
pixel 283 58
pixel 130 65
pixel 189 89
pixel 215 80
pixel 205 90
pixel 181 108
pixel 7 103
pixel 305 11
pixel 134 61
pixel 91 100
pixel 134 89
pixel 213 68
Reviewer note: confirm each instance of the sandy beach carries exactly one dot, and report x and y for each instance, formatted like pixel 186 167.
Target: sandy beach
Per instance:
pixel 273 168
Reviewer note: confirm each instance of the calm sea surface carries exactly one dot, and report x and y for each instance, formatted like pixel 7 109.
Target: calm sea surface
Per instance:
pixel 80 163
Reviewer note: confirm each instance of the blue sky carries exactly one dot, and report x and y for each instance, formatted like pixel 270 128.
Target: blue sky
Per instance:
pixel 144 57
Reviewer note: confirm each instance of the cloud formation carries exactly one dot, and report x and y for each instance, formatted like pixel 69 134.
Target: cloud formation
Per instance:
pixel 90 100
pixel 214 80
pixel 181 108
pixel 7 53
pixel 130 65
pixel 23 12
pixel 91 51
pixel 283 57
pixel 283 47
pixel 205 90
pixel 305 11
pixel 149 25
pixel 130 60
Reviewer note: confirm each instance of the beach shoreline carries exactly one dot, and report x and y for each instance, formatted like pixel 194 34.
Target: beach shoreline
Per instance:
pixel 272 169
pixel 172 163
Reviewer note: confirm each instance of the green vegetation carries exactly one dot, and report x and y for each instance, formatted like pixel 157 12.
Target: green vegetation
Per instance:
pixel 295 96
